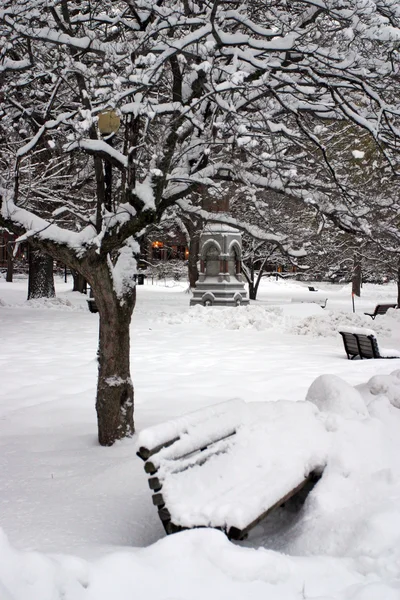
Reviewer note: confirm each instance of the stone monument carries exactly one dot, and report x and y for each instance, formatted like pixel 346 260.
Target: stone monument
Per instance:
pixel 220 281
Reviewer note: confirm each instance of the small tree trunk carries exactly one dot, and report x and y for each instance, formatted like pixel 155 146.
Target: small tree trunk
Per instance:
pixel 41 279
pixel 80 283
pixel 252 291
pixel 114 401
pixel 356 277
pixel 10 263
pixel 194 247
pixel 194 227
pixel 398 283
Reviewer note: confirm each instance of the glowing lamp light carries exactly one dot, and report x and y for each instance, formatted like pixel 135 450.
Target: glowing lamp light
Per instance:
pixel 109 122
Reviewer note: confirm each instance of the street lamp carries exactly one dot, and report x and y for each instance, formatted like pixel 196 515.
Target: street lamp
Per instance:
pixel 108 123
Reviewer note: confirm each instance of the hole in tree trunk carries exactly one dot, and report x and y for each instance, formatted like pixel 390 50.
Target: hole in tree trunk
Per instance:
pixel 124 398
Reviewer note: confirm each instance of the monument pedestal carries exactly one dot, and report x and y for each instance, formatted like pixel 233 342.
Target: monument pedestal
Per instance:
pixel 220 282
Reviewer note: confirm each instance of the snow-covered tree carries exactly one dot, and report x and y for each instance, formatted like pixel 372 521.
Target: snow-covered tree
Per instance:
pixel 205 91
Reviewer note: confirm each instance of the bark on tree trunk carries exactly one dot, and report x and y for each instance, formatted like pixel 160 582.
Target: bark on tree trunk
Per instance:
pixel 356 277
pixel 10 263
pixel 80 283
pixel 194 247
pixel 115 397
pixel 252 291
pixel 41 279
pixel 194 227
pixel 398 283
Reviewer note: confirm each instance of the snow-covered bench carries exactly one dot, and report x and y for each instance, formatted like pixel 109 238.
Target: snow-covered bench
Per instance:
pixel 362 342
pixel 311 298
pixel 380 309
pixel 219 467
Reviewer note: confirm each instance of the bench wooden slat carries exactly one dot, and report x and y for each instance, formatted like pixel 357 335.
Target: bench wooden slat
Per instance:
pixel 366 347
pixel 182 461
pixel 158 500
pixel 239 534
pixel 350 344
pixel 161 436
pixel 145 453
pixel 155 483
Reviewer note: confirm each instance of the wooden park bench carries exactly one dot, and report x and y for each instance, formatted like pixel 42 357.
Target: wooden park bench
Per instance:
pixel 380 309
pixel 203 473
pixel 310 298
pixel 362 343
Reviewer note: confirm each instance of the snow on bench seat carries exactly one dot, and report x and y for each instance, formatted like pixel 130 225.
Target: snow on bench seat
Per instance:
pixel 231 464
pixel 321 301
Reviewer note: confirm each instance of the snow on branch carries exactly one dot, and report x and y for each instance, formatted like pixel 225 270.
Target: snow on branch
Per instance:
pixel 253 230
pixel 36 227
pixel 46 34
pixel 14 65
pixel 102 149
pixel 53 124
pixel 124 268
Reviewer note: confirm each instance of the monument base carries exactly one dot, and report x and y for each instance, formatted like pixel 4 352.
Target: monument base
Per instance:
pixel 219 293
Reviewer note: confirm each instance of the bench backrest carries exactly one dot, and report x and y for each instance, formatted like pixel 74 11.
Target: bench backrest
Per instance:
pixel 350 343
pixel 191 432
pixel 360 344
pixel 368 346
pixel 381 309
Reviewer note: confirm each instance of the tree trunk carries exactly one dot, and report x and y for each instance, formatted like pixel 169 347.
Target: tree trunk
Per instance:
pixel 252 291
pixel 356 277
pixel 41 279
pixel 194 247
pixel 114 401
pixel 194 227
pixel 10 262
pixel 398 284
pixel 80 283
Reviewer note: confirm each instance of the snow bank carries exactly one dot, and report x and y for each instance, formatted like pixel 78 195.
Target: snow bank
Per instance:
pixel 354 511
pixel 387 386
pixel 53 304
pixel 241 317
pixel 329 323
pixel 324 323
pixel 194 564
pixel 344 544
pixel 331 394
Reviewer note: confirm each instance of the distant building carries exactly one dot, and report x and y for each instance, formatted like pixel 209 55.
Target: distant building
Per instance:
pixel 7 244
pixel 165 247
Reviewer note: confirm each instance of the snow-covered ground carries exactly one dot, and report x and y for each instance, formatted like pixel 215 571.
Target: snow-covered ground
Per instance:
pixel 78 520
